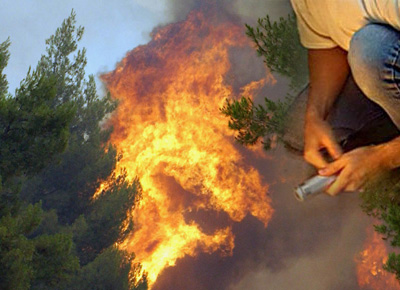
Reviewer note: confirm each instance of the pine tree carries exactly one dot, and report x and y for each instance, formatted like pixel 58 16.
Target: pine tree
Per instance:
pixel 32 132
pixel 279 45
pixel 54 147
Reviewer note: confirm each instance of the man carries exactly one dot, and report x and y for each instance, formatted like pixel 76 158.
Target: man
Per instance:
pixel 361 38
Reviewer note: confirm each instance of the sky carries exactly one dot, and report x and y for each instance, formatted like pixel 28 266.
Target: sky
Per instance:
pixel 111 29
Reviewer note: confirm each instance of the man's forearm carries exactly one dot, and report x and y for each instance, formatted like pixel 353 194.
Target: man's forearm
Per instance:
pixel 329 70
pixel 390 153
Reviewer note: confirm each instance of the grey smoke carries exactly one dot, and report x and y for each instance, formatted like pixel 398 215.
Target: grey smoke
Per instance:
pixel 310 245
pixel 247 10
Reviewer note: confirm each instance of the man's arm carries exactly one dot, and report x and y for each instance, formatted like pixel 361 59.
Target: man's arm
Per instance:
pixel 390 153
pixel 328 73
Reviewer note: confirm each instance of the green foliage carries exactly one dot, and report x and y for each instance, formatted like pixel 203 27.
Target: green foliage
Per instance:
pixel 69 70
pixel 16 250
pixel 49 224
pixel 53 144
pixel 279 44
pixel 253 122
pixel 33 129
pixel 4 57
pixel 68 183
pixel 110 271
pixel 107 221
pixel 393 265
pixel 54 263
pixel 381 199
pixel 36 263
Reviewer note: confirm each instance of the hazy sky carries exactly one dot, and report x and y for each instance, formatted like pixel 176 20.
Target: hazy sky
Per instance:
pixel 111 29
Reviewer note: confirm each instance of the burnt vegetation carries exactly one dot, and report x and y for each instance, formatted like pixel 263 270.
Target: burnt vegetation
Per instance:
pixel 53 156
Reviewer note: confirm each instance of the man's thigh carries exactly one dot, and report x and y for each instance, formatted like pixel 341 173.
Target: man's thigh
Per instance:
pixel 375 65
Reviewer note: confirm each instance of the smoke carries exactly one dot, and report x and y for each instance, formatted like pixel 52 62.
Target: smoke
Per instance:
pixel 248 10
pixel 244 65
pixel 310 245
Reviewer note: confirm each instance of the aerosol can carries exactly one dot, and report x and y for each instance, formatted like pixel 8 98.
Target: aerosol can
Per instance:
pixel 313 186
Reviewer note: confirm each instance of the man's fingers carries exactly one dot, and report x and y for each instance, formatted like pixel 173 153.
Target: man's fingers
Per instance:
pixel 333 148
pixel 315 158
pixel 332 168
pixel 337 186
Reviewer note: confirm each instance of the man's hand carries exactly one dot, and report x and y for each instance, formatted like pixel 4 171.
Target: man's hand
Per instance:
pixel 355 168
pixel 318 135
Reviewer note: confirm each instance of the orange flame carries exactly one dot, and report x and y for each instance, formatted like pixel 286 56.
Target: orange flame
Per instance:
pixel 370 273
pixel 173 137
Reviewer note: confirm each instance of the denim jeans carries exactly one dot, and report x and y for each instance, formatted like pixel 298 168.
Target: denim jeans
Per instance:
pixel 371 93
pixel 375 66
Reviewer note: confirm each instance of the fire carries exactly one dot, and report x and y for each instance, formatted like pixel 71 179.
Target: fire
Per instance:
pixel 370 274
pixel 173 137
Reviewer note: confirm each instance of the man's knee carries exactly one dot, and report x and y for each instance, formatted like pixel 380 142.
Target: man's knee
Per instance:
pixel 365 58
pixel 373 57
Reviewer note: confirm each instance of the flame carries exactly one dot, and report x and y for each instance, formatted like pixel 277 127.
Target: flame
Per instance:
pixel 173 137
pixel 370 273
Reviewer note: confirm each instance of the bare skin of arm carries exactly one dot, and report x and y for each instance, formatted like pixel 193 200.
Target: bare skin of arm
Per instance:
pixel 328 72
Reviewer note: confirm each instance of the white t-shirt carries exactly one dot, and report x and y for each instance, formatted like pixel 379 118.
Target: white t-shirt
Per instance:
pixel 329 23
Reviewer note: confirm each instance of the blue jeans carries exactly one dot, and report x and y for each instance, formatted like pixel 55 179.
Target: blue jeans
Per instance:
pixel 375 66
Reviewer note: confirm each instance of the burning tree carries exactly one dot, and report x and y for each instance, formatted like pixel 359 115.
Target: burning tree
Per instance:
pixel 172 134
